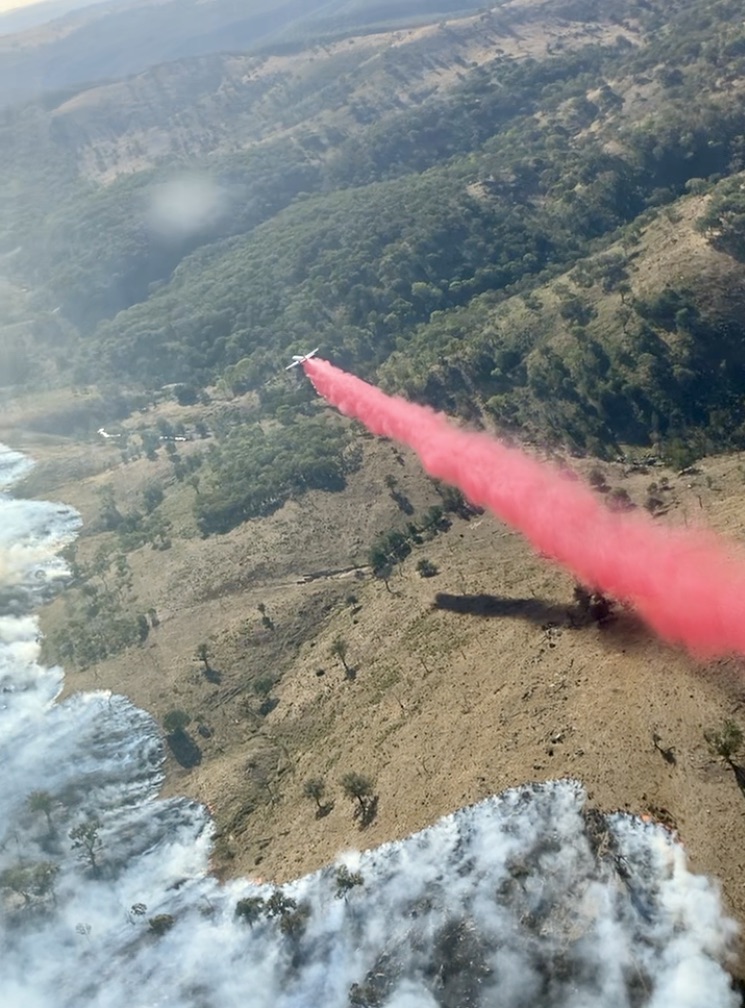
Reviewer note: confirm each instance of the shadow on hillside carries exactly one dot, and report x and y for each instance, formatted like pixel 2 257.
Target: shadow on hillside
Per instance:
pixel 739 773
pixel 626 631
pixel 367 813
pixel 490 606
pixel 185 750
pixel 619 627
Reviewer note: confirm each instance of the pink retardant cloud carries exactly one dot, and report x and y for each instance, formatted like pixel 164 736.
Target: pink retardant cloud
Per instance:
pixel 689 586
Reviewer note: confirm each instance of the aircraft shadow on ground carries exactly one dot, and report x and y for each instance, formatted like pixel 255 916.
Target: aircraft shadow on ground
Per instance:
pixel 494 606
pixel 619 626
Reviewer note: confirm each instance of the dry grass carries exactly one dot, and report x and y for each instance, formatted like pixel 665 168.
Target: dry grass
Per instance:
pixel 445 707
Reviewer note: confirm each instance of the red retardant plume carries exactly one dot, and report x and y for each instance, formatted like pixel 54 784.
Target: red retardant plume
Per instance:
pixel 688 586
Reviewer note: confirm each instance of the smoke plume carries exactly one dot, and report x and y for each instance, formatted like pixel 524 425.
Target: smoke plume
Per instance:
pixel 687 585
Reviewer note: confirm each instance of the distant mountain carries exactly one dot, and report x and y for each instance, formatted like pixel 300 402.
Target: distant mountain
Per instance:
pixel 116 39
pixel 20 19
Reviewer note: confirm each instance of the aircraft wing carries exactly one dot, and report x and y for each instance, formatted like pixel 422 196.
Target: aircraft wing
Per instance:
pixel 299 358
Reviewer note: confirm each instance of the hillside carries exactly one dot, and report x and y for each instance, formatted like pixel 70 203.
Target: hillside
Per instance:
pixel 197 222
pixel 530 217
pixel 123 37
pixel 482 676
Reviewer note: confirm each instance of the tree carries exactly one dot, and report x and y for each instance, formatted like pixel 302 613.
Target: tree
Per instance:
pixel 202 655
pixel 42 801
pixel 250 909
pixel 143 627
pixel 426 568
pixel 726 742
pixel 185 750
pixel 597 479
pixel 30 880
pixel 346 881
pixel 175 721
pixel 161 923
pixel 339 650
pixel 315 788
pixel 294 922
pixel 186 395
pixel 359 787
pixel 86 841
pixel 278 904
pixel 619 500
pixel 110 517
pixel 152 495
pixel 384 571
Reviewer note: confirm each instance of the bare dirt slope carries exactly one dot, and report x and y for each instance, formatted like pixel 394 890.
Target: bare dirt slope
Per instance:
pixel 448 702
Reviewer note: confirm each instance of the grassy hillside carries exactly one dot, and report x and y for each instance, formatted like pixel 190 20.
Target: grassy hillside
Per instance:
pixel 372 217
pixel 530 217
pixel 115 39
pixel 293 662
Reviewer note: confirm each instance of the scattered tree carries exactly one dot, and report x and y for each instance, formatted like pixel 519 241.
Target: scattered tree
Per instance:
pixel 87 842
pixel 42 801
pixel 160 924
pixel 315 788
pixel 31 881
pixel 176 721
pixel 266 620
pixel 339 650
pixel 346 881
pixel 263 685
pixel 592 606
pixel 597 479
pixel 294 922
pixel 186 395
pixel 619 500
pixel 182 745
pixel 359 787
pixel 278 904
pixel 152 496
pixel 667 752
pixel 250 909
pixel 726 742
pixel 426 568
pixel 202 655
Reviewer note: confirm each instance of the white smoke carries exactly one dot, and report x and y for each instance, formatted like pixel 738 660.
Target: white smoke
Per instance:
pixel 184 205
pixel 525 899
pixel 13 465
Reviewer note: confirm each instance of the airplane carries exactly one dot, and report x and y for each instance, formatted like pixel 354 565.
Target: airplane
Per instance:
pixel 299 358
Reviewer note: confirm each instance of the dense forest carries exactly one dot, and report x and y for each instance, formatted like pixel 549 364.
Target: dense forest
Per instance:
pixel 473 249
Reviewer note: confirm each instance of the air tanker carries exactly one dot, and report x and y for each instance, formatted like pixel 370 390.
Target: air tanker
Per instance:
pixel 299 358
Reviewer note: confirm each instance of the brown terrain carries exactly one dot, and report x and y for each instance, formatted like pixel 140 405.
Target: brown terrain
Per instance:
pixel 500 684
pixel 443 703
